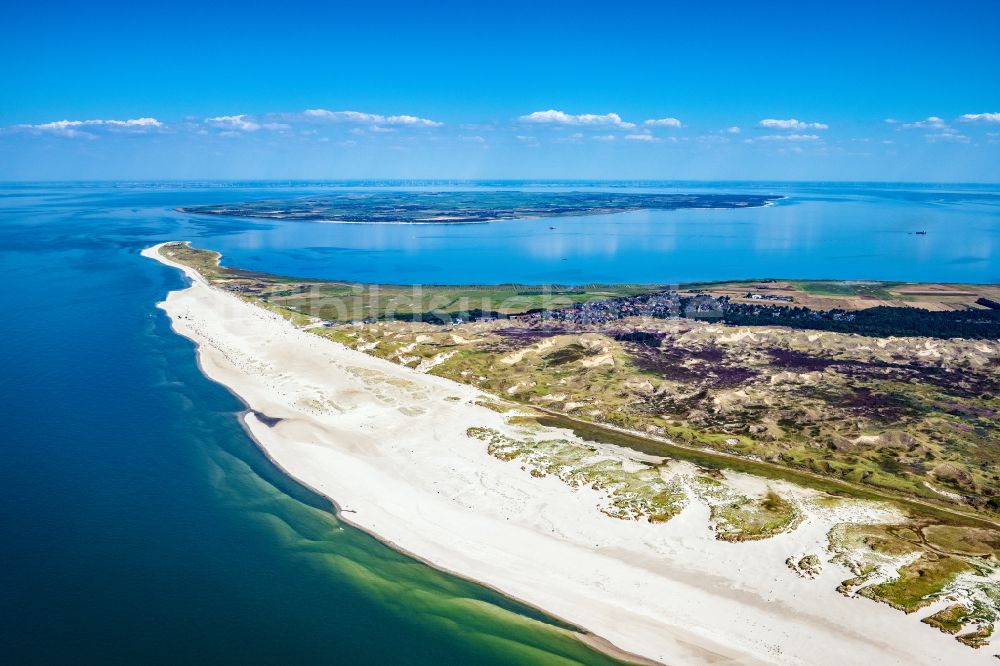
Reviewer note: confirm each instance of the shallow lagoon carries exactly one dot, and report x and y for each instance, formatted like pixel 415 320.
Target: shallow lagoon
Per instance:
pixel 818 232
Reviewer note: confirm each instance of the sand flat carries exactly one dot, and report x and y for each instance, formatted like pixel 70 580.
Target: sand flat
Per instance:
pixel 385 443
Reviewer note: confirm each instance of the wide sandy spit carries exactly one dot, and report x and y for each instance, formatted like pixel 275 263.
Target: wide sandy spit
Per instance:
pixel 389 445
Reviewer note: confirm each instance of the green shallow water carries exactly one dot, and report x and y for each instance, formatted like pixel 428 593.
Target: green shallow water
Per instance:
pixel 486 624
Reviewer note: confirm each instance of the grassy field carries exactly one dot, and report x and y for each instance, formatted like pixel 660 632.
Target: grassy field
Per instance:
pixel 438 302
pixel 850 294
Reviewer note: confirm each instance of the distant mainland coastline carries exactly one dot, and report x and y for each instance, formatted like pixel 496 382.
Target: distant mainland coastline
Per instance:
pixel 470 207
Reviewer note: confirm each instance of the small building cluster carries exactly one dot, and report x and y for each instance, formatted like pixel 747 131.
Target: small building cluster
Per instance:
pixel 768 297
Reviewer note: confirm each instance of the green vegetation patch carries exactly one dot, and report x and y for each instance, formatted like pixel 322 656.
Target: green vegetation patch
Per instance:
pixel 978 638
pixel 495 405
pixel 859 289
pixel 740 518
pixel 807 566
pixel 949 620
pixel 918 582
pixel 957 540
pixel 758 518
pixel 634 493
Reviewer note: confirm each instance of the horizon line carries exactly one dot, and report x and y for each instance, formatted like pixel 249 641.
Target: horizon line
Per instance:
pixel 379 181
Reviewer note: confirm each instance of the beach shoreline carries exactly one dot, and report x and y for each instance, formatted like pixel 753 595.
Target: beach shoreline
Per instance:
pixel 592 640
pixel 466 520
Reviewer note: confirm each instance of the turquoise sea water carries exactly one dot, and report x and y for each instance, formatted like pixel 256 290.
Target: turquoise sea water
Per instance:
pixel 140 524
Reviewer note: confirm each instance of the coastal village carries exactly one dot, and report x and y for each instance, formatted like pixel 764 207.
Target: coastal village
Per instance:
pixel 974 316
pixel 666 304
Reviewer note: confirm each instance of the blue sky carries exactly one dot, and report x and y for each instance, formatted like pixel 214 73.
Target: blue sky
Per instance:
pixel 723 90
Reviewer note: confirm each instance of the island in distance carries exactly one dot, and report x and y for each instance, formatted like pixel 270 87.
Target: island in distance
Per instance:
pixel 469 207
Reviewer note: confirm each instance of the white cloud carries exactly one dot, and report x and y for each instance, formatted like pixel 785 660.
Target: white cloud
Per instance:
pixel 664 122
pixel 791 124
pixel 790 137
pixel 132 122
pixel 560 118
pixel 931 122
pixel 712 139
pixel 575 137
pixel 412 120
pixel 733 130
pixel 368 118
pixel 980 117
pixel 641 137
pixel 71 128
pixel 604 137
pixel 947 135
pixel 786 137
pixel 65 128
pixel 232 123
pixel 343 116
pixel 942 131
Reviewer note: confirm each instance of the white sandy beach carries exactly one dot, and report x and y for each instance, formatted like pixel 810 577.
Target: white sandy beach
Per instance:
pixel 385 443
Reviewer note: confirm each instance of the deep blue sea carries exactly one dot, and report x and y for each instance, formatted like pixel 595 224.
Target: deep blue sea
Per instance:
pixel 139 523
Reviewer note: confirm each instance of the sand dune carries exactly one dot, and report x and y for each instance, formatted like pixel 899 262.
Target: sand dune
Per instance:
pixel 389 445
